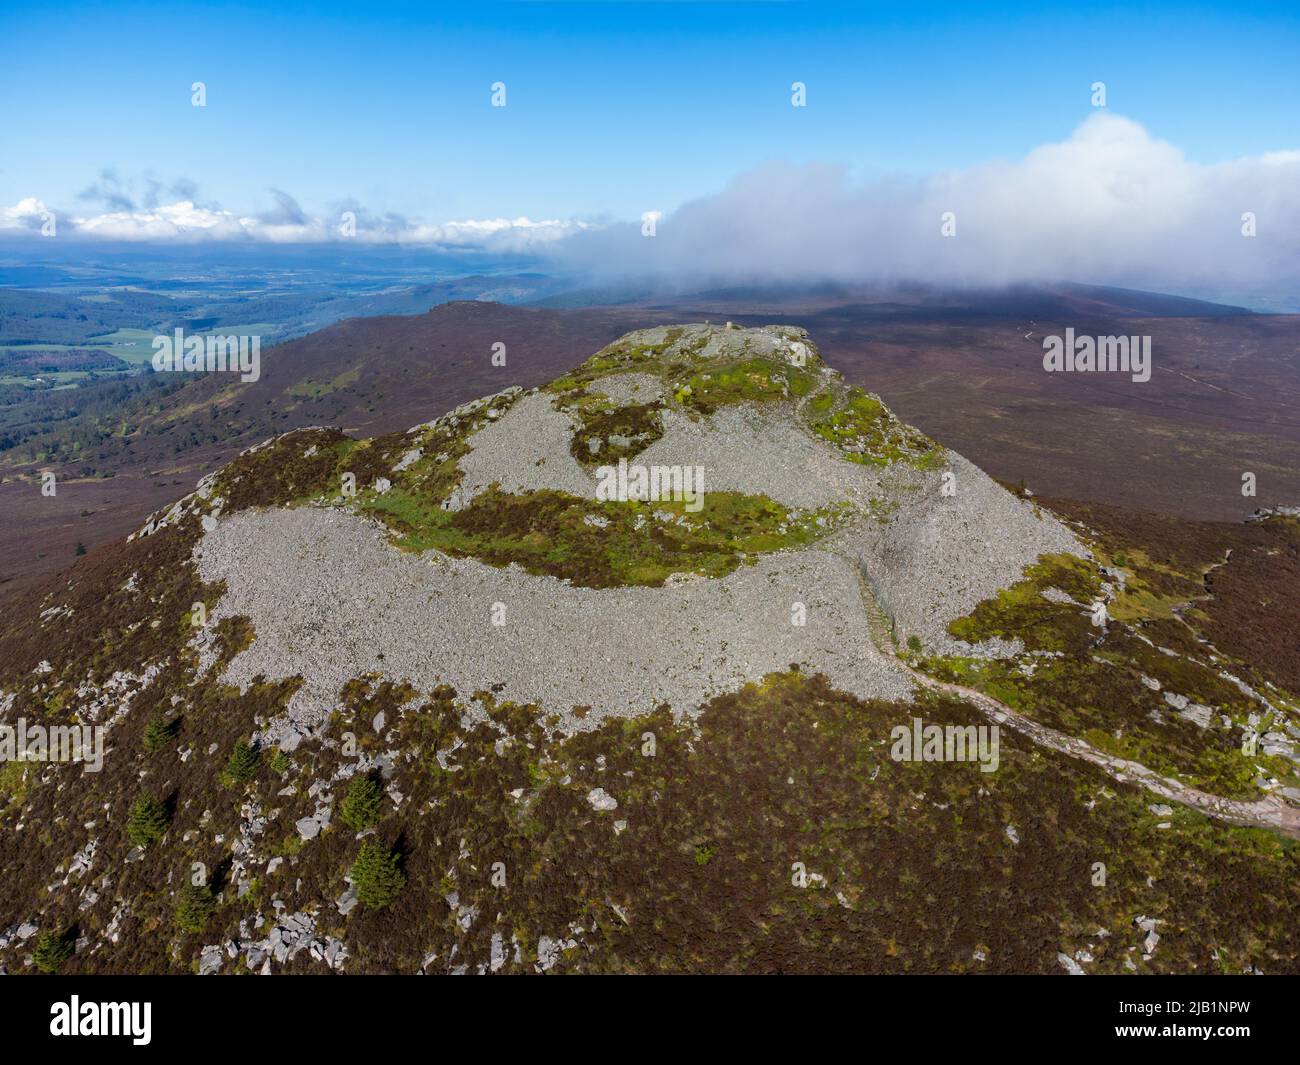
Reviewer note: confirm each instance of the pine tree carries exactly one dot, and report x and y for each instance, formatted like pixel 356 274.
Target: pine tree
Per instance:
pixel 158 732
pixel 361 805
pixel 148 820
pixel 195 904
pixel 52 950
pixel 376 875
pixel 243 763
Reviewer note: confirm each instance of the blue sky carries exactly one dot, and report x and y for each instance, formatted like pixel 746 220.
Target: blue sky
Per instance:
pixel 613 108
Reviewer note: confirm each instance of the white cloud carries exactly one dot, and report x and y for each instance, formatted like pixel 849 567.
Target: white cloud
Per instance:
pixel 187 222
pixel 26 214
pixel 500 234
pixel 165 222
pixel 1110 203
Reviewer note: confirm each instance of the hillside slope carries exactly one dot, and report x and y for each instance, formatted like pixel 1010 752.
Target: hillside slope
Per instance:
pixel 438 701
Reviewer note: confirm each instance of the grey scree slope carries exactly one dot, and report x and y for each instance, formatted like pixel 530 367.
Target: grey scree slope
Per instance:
pixel 527 448
pixel 327 593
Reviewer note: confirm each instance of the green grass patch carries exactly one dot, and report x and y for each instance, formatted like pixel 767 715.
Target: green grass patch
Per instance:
pixel 749 380
pixel 603 544
pixel 1090 682
pixel 310 388
pixel 865 432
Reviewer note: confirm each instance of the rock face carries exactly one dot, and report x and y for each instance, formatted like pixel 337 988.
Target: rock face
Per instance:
pixel 330 598
pixel 939 555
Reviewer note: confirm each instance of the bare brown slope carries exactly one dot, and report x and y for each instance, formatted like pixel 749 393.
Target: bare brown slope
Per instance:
pixel 1223 400
pixel 375 375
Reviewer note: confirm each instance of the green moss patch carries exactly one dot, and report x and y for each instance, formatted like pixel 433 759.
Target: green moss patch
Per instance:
pixel 1022 611
pixel 1096 683
pixel 748 380
pixel 603 544
pixel 865 432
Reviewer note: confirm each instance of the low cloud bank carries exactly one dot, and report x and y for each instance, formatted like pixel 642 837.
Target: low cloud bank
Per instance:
pixel 185 221
pixel 1108 204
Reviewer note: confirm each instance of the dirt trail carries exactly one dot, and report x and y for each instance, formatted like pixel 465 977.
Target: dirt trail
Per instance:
pixel 1272 812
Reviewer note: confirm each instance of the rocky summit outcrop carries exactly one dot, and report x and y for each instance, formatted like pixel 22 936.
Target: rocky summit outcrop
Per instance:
pixel 604 675
pixel 753 415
